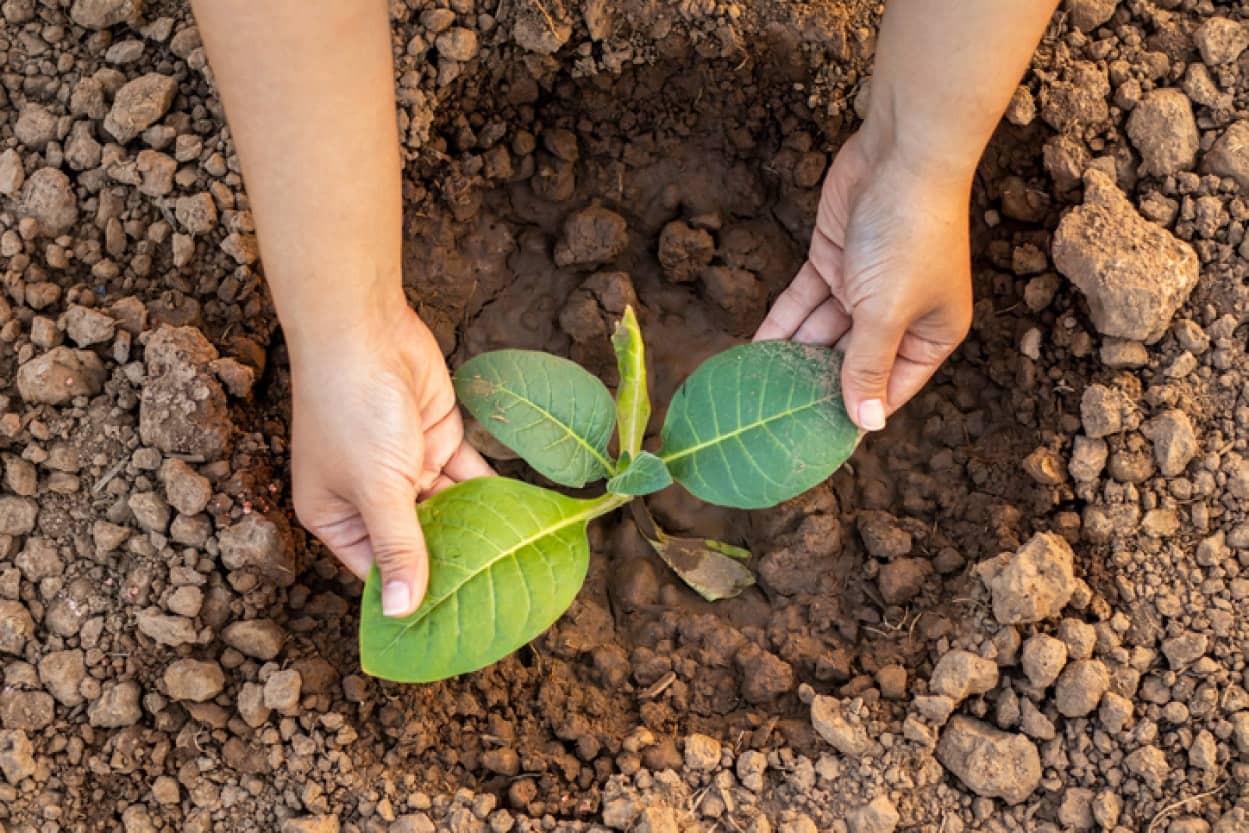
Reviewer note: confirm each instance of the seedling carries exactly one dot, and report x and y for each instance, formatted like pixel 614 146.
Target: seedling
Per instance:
pixel 753 426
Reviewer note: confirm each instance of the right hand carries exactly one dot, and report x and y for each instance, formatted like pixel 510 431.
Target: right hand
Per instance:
pixel 376 428
pixel 887 277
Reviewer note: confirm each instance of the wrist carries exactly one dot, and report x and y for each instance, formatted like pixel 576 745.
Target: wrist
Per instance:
pixel 328 328
pixel 900 137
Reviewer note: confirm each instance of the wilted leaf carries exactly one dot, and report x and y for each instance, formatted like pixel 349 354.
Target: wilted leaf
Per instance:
pixel 701 563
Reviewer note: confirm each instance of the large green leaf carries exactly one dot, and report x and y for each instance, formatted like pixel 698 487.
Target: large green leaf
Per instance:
pixel 506 559
pixel 633 405
pixel 758 424
pixel 548 410
pixel 646 473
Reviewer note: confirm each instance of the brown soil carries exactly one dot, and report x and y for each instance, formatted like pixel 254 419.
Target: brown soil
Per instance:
pixel 179 655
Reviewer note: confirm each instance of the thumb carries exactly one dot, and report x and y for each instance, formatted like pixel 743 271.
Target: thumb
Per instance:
pixel 871 350
pixel 398 547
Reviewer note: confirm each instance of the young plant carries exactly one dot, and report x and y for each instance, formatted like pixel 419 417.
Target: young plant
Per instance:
pixel 751 427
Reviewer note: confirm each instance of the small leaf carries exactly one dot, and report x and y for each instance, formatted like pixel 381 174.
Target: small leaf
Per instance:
pixel 633 405
pixel 547 409
pixel 703 564
pixel 758 424
pixel 731 551
pixel 506 559
pixel 645 474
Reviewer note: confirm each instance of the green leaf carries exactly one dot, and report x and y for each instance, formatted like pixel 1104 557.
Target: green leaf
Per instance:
pixel 713 569
pixel 506 559
pixel 758 424
pixel 547 409
pixel 645 474
pixel 633 405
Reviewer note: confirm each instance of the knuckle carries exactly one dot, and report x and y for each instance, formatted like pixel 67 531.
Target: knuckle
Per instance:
pixel 867 376
pixel 393 556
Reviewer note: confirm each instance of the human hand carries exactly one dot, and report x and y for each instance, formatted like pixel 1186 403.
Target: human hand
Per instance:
pixel 887 277
pixel 376 428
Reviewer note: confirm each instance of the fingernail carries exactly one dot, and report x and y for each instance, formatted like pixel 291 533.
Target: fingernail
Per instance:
pixel 872 415
pixel 396 596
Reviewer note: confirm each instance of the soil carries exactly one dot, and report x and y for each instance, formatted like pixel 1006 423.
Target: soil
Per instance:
pixel 1016 608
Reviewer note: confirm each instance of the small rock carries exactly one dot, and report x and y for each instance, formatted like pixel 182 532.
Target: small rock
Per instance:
pixel 259 638
pixel 1185 649
pixel 1164 132
pixel 1135 274
pixel 1033 583
pixel 877 816
pixel 187 490
pixel 1087 15
pixel 539 32
pixel 1043 659
pixel 1115 712
pixel 960 674
pixel 702 753
pixel 1229 155
pixel 902 580
pixel 311 824
pixel 35 127
pixel 16 627
pixel 61 673
pixel 829 723
pixel 656 819
pixel 883 536
pixel 17 515
pixel 412 823
pixel 117 706
pixel 101 14
pixel 1150 765
pixel 1045 467
pixel 990 762
pixel 86 326
pixel 196 213
pixel 1076 809
pixel 684 251
pixel 258 543
pixel 12 174
pixel 1174 441
pixel 457 43
pixel 1101 411
pixel 1080 687
pixel 30 711
pixel 251 704
pixel 183 408
pixel 139 104
pixel 282 690
pixel 165 629
pixel 502 761
pixel 49 197
pixel 1119 354
pixel 194 680
pixel 1221 40
pixel 150 510
pixel 59 375
pixel 592 236
pixel 17 756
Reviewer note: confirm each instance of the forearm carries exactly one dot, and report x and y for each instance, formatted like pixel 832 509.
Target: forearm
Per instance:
pixel 945 71
pixel 308 90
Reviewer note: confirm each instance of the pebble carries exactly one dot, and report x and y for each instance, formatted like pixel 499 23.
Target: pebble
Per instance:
pixel 960 674
pixel 117 706
pixel 16 627
pixel 197 213
pixel 139 104
pixel 59 375
pixel 101 14
pixel 1150 765
pixel 1134 274
pixel 183 408
pixel 86 326
pixel 1033 583
pixel 830 724
pixel 457 43
pixel 877 816
pixel 1185 649
pixel 12 173
pixel 1101 411
pixel 1221 40
pixel 194 680
pixel 17 756
pixel 702 753
pixel 1087 15
pixel 311 824
pixel 990 762
pixel 902 580
pixel 592 236
pixel 1043 659
pixel 1080 687
pixel 282 691
pixel 48 196
pixel 1174 441
pixel 251 705
pixel 256 542
pixel 259 638
pixel 187 490
pixel 1164 132
pixel 166 629
pixel 62 673
pixel 1229 155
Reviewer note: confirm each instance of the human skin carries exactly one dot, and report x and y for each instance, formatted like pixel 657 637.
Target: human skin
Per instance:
pixel 308 88
pixel 888 273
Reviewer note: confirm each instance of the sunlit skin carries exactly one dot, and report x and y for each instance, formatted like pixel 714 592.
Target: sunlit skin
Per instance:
pixel 308 88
